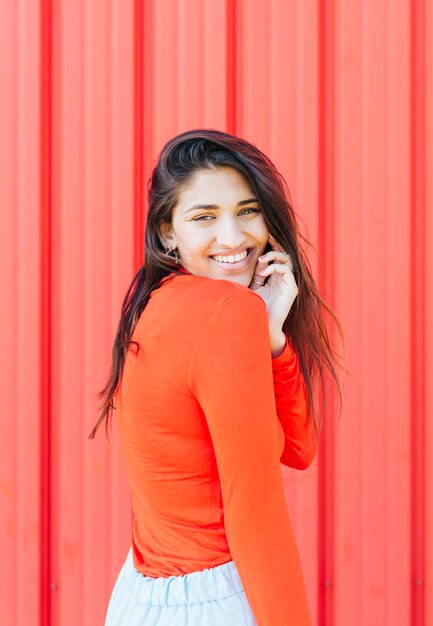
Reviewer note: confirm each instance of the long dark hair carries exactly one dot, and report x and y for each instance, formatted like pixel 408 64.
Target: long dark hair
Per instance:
pixel 181 158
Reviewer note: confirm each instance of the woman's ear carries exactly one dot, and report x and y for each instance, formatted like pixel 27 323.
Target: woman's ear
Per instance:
pixel 166 235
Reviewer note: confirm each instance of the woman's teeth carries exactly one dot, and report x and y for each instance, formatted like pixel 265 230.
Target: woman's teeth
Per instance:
pixel 231 259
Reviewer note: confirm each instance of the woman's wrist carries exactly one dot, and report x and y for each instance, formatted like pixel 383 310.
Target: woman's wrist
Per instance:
pixel 278 343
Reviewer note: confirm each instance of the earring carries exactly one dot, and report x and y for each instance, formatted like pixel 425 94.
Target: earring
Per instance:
pixel 168 250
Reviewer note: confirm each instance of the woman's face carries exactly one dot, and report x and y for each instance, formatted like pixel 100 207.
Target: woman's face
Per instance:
pixel 217 217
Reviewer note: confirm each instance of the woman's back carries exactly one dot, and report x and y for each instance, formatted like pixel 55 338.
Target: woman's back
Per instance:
pixel 198 408
pixel 178 525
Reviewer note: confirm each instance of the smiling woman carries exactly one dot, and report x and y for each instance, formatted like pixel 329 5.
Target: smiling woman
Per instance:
pixel 216 226
pixel 219 346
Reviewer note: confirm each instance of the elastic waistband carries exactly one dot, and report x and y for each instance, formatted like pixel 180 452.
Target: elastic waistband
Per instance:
pixel 210 584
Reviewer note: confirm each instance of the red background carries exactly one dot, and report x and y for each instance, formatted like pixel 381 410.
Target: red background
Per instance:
pixel 339 95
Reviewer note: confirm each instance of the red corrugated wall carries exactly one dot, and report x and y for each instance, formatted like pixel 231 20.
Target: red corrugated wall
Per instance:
pixel 339 94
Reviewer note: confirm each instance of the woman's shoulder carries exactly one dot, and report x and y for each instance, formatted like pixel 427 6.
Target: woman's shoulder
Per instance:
pixel 190 299
pixel 186 304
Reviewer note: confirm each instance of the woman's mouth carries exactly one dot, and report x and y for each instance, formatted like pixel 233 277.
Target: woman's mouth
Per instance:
pixel 233 262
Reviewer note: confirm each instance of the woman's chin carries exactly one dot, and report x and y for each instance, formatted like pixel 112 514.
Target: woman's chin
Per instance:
pixel 217 273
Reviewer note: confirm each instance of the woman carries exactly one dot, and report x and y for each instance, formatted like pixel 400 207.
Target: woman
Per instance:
pixel 215 360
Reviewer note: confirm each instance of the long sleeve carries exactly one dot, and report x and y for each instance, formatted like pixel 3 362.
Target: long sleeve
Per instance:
pixel 231 377
pixel 290 397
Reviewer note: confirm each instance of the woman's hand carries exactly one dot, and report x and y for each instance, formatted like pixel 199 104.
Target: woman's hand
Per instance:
pixel 281 289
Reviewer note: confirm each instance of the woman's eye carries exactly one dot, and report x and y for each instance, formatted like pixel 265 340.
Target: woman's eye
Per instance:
pixel 202 218
pixel 253 210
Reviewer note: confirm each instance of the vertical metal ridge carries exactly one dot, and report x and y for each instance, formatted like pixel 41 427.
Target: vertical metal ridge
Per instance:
pixel 325 242
pixel 45 300
pixel 418 307
pixel 147 52
pixel 138 132
pixel 231 69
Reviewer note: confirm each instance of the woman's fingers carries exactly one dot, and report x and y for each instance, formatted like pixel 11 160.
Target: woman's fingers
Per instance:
pixel 279 268
pixel 261 263
pixel 257 280
pixel 275 255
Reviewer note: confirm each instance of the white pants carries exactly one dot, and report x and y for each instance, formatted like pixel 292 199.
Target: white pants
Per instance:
pixel 211 597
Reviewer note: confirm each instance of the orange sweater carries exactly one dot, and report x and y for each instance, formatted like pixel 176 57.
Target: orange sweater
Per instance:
pixel 205 415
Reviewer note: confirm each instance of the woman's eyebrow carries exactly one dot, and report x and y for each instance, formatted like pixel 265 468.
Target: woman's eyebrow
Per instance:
pixel 215 206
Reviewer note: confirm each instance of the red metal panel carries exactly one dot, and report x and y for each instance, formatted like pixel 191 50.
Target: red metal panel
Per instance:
pixel 288 94
pixel 326 209
pixel 371 523
pixel 92 262
pixel 20 337
pixel 367 504
pixel 396 117
pixel 418 294
pixel 340 96
pixel 46 586
pixel 428 299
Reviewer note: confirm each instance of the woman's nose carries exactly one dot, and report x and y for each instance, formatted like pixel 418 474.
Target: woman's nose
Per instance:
pixel 229 233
